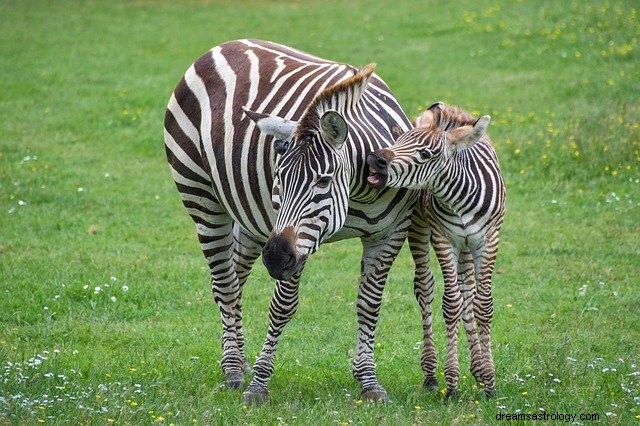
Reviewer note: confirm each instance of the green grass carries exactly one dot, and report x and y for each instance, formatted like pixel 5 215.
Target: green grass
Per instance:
pixel 88 210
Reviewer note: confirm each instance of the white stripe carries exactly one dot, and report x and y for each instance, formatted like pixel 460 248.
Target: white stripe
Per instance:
pixel 179 153
pixel 196 85
pixel 183 121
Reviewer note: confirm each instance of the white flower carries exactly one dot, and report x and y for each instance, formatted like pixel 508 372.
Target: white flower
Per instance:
pixel 125 288
pixel 113 298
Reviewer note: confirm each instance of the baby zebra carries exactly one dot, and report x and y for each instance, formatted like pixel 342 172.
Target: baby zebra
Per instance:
pixel 449 154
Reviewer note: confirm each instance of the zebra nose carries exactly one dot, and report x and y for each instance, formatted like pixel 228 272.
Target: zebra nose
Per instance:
pixel 279 257
pixel 381 162
pixel 379 159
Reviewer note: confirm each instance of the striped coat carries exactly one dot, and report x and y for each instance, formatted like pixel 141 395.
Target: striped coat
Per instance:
pixel 226 127
pixel 450 156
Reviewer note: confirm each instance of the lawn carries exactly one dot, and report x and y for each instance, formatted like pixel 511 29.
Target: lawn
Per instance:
pixel 106 314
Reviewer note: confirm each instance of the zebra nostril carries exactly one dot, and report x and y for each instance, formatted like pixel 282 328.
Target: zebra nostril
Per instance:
pixel 381 162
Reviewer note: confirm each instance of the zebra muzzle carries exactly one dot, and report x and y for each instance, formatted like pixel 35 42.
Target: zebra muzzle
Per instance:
pixel 280 258
pixel 377 163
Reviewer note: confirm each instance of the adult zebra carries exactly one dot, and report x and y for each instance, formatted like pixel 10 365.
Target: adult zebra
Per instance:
pixel 324 118
pixel 449 154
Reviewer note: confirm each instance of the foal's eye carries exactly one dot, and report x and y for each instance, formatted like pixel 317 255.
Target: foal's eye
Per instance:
pixel 323 181
pixel 425 153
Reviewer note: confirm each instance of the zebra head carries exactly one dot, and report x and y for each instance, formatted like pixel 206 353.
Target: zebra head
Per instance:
pixel 312 176
pixel 421 155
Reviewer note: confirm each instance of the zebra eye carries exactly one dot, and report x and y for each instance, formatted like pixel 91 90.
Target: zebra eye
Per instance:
pixel 324 181
pixel 425 153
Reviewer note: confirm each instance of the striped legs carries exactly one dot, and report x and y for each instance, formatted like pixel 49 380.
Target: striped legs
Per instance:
pixel 377 259
pixel 246 251
pixel 467 295
pixel 423 289
pixel 483 308
pixel 283 306
pixel 457 302
pixel 217 242
pixel 467 286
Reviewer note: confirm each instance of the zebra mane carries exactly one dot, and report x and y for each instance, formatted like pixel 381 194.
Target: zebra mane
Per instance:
pixel 340 97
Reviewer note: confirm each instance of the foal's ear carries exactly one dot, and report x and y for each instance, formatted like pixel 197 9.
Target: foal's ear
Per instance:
pixel 428 116
pixel 464 137
pixel 279 128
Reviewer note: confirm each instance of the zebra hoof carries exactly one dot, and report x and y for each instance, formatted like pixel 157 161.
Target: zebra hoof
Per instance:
pixel 234 380
pixel 255 395
pixel 451 394
pixel 430 384
pixel 375 395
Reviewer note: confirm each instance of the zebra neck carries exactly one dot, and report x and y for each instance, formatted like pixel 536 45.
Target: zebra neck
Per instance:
pixel 455 186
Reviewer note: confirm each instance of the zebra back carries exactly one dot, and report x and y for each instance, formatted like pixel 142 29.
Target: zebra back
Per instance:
pixel 212 143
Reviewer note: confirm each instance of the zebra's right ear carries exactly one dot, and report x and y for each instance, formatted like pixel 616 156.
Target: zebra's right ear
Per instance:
pixel 279 128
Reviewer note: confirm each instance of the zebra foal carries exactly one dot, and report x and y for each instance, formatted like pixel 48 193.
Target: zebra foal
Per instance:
pixel 449 154
pixel 267 146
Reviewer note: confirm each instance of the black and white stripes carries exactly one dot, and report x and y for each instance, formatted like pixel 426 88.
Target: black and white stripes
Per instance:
pixel 450 156
pixel 220 126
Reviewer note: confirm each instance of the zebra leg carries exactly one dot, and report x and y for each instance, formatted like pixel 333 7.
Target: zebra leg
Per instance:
pixel 423 289
pixel 467 285
pixel 247 249
pixel 217 244
pixel 451 307
pixel 283 306
pixel 215 233
pixel 377 259
pixel 483 307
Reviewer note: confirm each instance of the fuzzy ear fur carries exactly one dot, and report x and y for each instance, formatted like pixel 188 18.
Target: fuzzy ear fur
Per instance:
pixel 464 137
pixel 428 116
pixel 280 128
pixel 333 128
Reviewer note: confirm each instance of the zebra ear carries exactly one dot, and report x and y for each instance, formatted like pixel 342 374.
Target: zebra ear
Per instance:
pixel 427 118
pixel 280 128
pixel 333 128
pixel 464 137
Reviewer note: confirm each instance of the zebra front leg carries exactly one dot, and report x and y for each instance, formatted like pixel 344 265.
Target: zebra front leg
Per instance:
pixel 483 307
pixel 452 303
pixel 217 245
pixel 467 286
pixel 283 306
pixel 247 249
pixel 376 261
pixel 423 289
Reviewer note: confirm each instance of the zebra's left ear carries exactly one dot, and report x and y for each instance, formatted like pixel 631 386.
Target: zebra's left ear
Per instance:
pixel 279 128
pixel 333 128
pixel 464 137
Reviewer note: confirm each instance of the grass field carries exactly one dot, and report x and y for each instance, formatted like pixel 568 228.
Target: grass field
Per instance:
pixel 105 309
